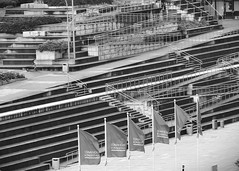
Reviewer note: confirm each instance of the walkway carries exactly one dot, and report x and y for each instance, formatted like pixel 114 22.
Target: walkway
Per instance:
pixel 40 81
pixel 216 147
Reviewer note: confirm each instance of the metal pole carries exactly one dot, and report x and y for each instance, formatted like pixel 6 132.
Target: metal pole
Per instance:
pixel 152 115
pixel 128 135
pixel 175 146
pixel 197 110
pixel 175 119
pixel 68 32
pixel 153 134
pixel 79 150
pixel 105 142
pixel 128 129
pixel 73 29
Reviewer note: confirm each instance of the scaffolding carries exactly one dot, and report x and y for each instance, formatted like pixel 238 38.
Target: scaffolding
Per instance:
pixel 122 30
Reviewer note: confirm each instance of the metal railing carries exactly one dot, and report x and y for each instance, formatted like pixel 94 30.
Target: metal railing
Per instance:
pixel 141 80
pixel 216 90
pixel 188 57
pixel 228 60
pixel 80 86
pixel 122 96
pixel 216 98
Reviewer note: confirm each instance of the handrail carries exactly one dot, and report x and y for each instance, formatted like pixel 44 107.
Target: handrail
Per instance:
pixel 78 81
pixel 217 90
pixel 186 53
pixel 162 76
pixel 203 104
pixel 228 60
pixel 213 87
pixel 111 88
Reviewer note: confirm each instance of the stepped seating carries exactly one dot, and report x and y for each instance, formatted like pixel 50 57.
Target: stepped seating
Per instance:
pixel 186 102
pixel 137 68
pixel 38 167
pixel 97 83
pixel 51 134
pixel 225 114
pixel 168 114
pixel 134 71
pixel 38 99
pixel 170 110
pixel 218 52
pixel 216 46
pixel 213 52
pixel 168 105
pixel 215 81
pixel 139 75
pixel 227 38
pixel 17 49
pixel 23 62
pixel 18 53
pixel 205 29
pixel 167 109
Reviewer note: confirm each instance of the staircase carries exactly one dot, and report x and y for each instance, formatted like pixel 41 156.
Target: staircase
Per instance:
pixel 189 60
pixel 143 120
pixel 120 100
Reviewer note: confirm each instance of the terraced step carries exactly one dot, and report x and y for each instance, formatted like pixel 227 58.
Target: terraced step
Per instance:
pixel 22 61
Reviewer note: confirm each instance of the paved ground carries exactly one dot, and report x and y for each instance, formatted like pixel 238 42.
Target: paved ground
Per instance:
pixel 215 147
pixel 41 80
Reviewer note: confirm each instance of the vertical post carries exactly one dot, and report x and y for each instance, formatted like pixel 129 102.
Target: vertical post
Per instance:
pixel 68 31
pixel 175 146
pixel 128 118
pixel 73 29
pixel 79 150
pixel 128 135
pixel 175 120
pixel 68 37
pixel 153 134
pixel 197 111
pixel 215 6
pixel 197 108
pixel 105 142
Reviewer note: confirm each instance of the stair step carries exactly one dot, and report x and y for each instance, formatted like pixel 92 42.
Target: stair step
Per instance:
pixel 38 167
pixel 21 163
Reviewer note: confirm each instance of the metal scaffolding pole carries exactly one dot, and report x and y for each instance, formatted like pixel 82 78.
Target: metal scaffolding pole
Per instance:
pixel 73 30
